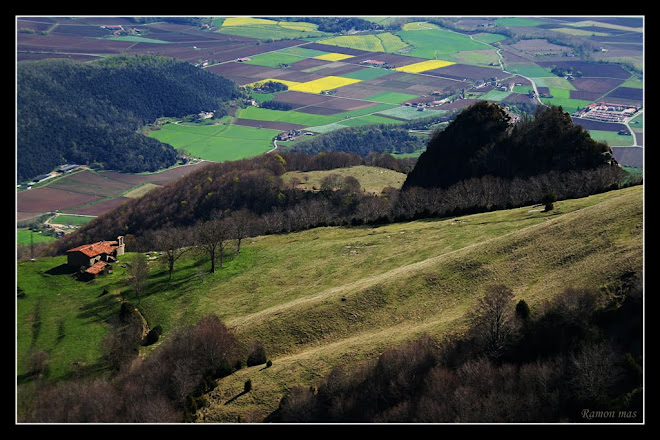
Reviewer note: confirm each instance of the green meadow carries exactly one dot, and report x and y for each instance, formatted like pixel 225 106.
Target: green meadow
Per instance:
pixel 439 43
pixel 273 59
pixel 611 137
pixel 217 142
pixel 518 21
pixel 391 97
pixel 25 236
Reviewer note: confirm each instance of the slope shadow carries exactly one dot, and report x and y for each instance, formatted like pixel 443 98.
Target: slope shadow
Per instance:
pixel 62 269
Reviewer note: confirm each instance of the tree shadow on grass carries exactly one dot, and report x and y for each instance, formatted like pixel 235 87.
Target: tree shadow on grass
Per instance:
pixel 236 397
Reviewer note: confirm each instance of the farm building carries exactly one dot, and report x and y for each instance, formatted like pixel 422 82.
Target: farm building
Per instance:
pixel 68 168
pixel 94 259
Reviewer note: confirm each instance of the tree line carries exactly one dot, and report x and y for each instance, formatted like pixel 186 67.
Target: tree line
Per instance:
pixel 335 24
pixel 70 112
pixel 380 138
pixel 257 187
pixel 564 361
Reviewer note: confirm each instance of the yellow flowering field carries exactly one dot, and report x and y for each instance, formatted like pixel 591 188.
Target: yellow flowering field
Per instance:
pixel 424 66
pixel 333 56
pixel 325 83
pixel 244 21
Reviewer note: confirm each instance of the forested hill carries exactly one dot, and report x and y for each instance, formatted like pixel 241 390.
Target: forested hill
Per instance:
pixel 482 141
pixel 70 112
pixel 362 141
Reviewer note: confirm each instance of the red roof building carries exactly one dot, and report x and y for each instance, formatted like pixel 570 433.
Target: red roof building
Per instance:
pixel 93 258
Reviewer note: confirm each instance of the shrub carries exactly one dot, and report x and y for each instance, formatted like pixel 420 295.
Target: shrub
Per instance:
pixel 257 355
pixel 548 200
pixel 299 405
pixel 522 310
pixel 38 362
pixel 152 336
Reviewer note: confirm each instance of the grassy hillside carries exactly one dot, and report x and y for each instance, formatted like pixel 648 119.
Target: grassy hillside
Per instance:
pixel 339 295
pixel 372 179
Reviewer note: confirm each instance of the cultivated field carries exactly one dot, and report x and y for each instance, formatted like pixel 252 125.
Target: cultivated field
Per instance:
pixel 217 143
pixel 338 81
pixel 88 192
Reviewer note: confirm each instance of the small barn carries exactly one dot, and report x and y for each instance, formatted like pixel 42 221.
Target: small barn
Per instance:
pixel 98 268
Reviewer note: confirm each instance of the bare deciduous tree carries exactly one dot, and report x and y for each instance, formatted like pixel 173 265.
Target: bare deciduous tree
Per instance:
pixel 593 370
pixel 211 236
pixel 493 319
pixel 242 224
pixel 175 242
pixel 139 272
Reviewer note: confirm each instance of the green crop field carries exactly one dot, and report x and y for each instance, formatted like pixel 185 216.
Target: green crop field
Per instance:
pixel 495 95
pixel 367 74
pixel 529 70
pixel 384 42
pixel 439 43
pixel 489 38
pixel 76 220
pixel 334 295
pixel 611 137
pixel 568 104
pixel 264 114
pixel 391 97
pixel 518 21
pixel 369 120
pixel 410 113
pixel 553 82
pixel 217 142
pixel 273 59
pixel 484 57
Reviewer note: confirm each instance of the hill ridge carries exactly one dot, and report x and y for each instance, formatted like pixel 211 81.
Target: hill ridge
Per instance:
pixel 592 245
pixel 408 268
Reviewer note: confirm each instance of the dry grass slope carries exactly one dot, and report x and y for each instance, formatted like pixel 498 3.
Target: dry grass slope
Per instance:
pixel 586 242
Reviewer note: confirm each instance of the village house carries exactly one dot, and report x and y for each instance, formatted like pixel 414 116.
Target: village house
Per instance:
pixel 95 259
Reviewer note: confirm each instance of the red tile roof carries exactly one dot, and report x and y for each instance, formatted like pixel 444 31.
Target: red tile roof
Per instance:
pixel 97 267
pixel 92 250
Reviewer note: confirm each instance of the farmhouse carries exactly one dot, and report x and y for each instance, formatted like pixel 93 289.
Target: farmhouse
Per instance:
pixel 94 259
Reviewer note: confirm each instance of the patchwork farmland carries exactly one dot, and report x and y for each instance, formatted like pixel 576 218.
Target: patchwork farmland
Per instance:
pixel 392 75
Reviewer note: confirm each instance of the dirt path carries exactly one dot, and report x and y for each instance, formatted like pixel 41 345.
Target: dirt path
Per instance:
pixel 366 282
